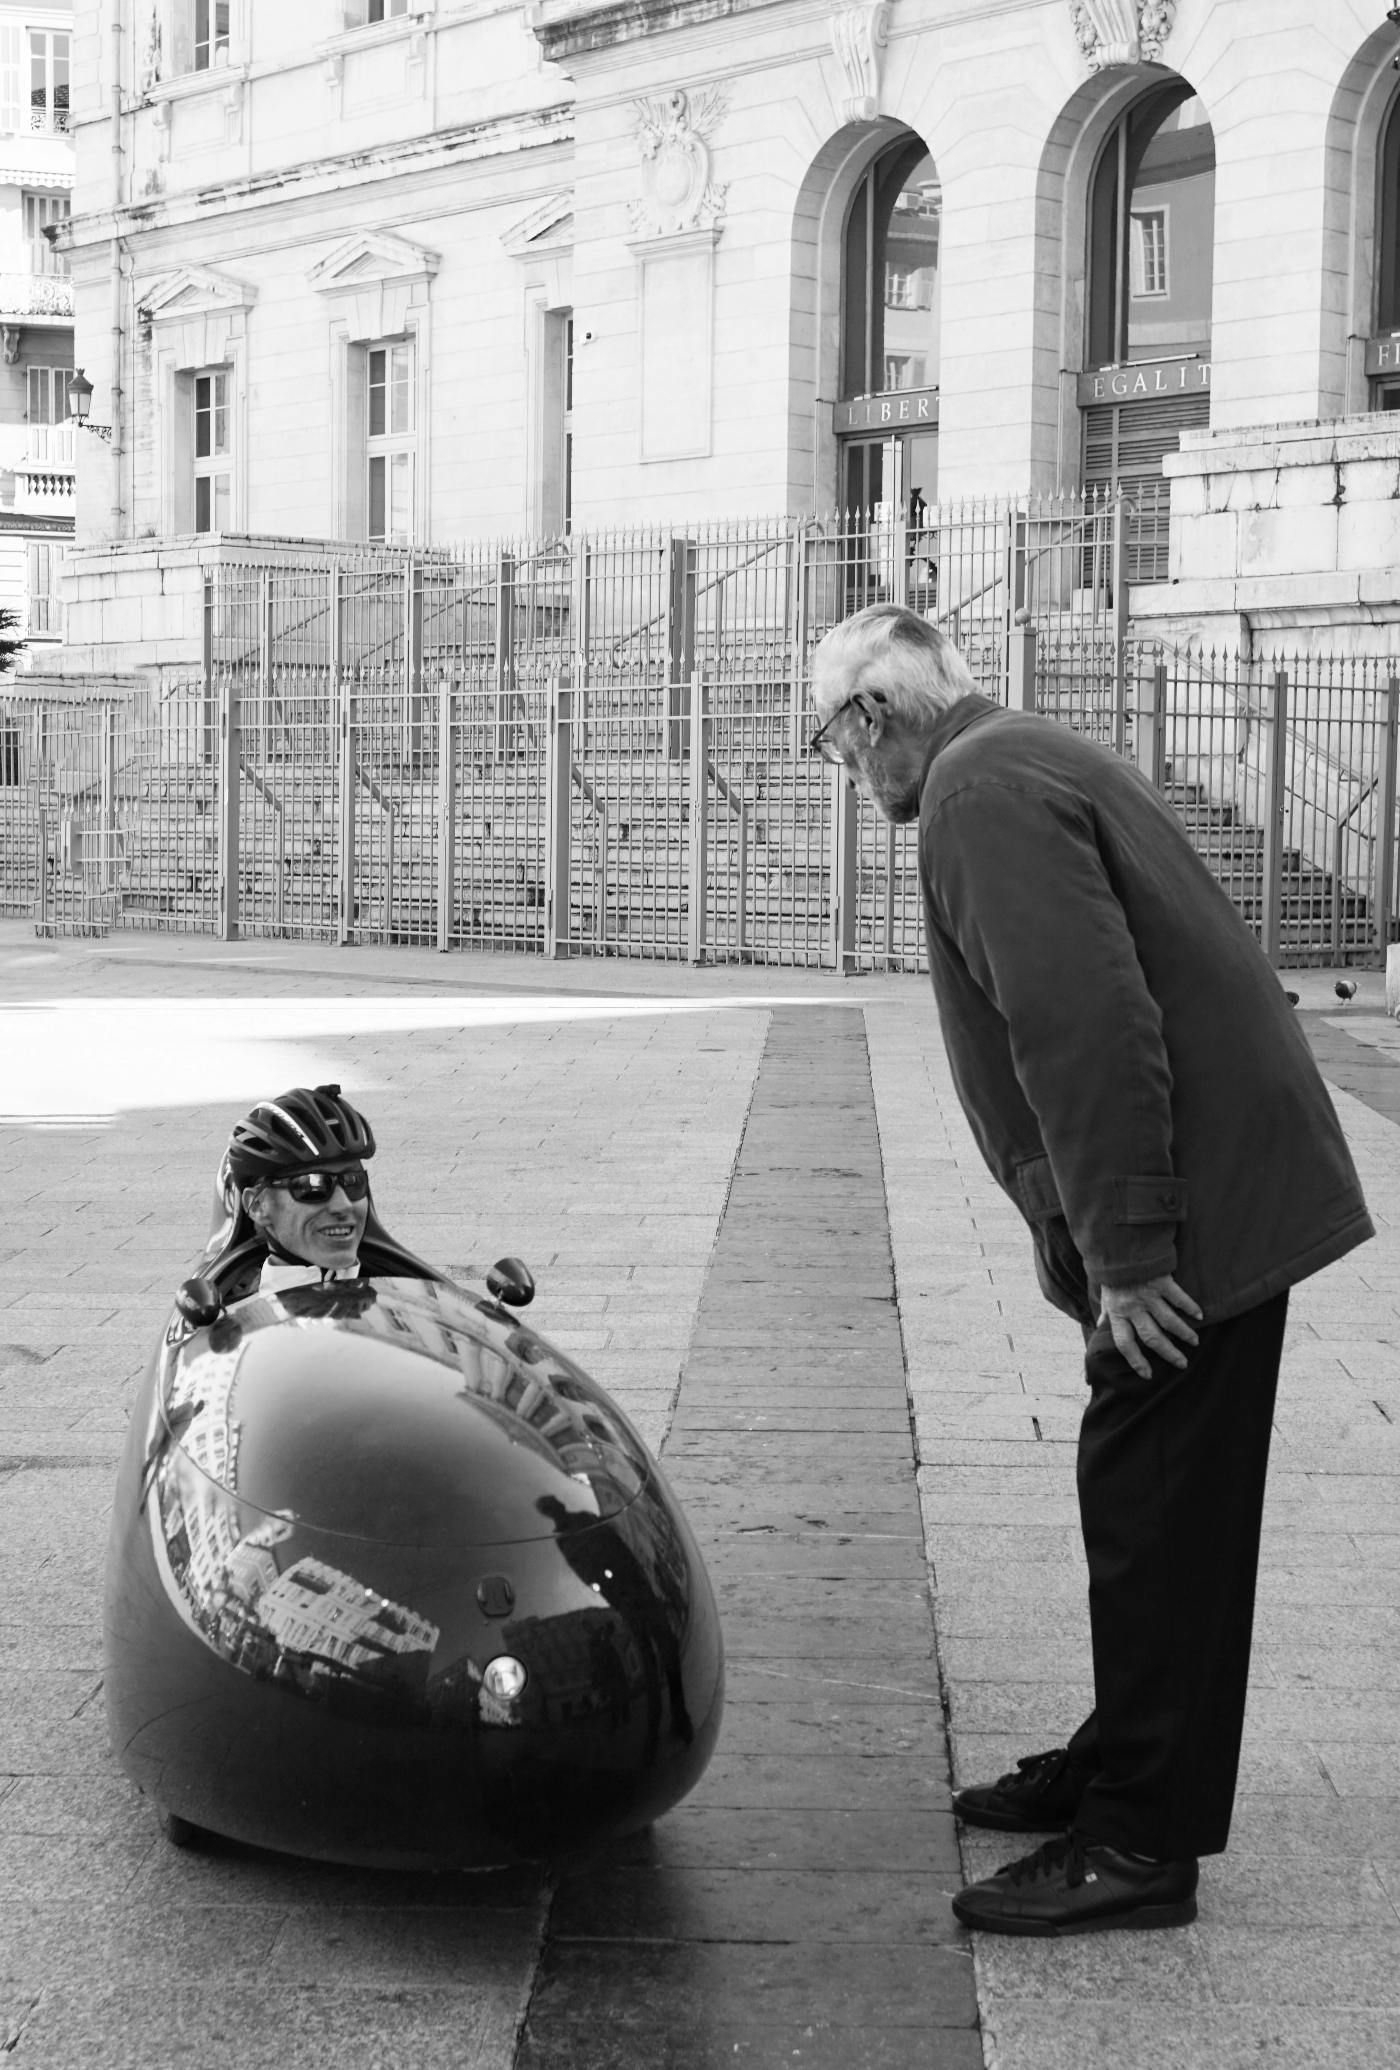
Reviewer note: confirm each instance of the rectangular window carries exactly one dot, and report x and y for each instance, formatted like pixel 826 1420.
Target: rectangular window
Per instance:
pixel 389 442
pixel 908 288
pixel 45 602
pixel 210 34
pixel 1149 254
pixel 569 423
pixel 362 12
pixel 40 212
pixel 48 80
pixel 213 477
pixel 48 394
pixel 905 370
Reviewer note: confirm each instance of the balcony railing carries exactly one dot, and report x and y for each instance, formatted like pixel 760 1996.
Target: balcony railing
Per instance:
pixel 35 294
pixel 50 122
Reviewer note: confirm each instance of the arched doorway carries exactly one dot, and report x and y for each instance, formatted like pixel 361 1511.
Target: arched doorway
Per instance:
pixel 1151 247
pixel 886 418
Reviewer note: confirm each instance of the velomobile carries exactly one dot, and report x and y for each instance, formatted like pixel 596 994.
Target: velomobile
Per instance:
pixel 391 1581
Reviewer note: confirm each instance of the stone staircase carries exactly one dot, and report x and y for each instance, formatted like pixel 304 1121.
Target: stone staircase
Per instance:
pixel 1318 920
pixel 630 865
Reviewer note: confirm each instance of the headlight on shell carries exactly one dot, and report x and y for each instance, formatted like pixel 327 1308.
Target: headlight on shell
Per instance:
pixel 504 1677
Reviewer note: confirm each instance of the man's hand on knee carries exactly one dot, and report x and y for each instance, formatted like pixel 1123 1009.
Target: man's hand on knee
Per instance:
pixel 1147 1318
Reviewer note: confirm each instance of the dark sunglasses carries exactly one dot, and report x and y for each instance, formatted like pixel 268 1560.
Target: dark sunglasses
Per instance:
pixel 307 1187
pixel 820 745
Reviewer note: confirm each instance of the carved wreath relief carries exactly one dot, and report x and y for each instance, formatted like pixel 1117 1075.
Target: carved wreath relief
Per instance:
pixel 677 191
pixel 1122 32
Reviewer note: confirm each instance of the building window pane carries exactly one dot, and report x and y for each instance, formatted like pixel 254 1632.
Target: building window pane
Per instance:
pixel 400 494
pixel 45 605
pixel 389 441
pixel 48 80
pixel 40 211
pixel 48 394
pixel 1154 186
pixel 569 423
pixel 210 33
pixel 213 484
pixel 1388 236
pixel 1149 251
pixel 890 274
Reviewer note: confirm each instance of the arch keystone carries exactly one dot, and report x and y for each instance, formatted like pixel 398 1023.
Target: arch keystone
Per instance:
pixel 1122 32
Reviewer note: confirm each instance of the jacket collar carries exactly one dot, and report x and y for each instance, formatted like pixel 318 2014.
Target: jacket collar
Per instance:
pixel 964 712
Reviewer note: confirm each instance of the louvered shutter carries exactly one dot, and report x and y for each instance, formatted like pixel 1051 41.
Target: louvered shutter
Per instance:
pixel 14 110
pixel 1124 447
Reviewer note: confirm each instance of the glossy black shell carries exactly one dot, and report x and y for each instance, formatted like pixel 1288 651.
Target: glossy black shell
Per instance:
pixel 338 1506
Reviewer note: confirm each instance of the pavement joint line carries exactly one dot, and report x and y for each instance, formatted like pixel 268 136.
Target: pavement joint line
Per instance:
pixel 870 1613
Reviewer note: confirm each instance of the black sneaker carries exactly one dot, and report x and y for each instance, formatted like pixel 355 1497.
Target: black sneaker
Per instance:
pixel 1041 1795
pixel 1078 1886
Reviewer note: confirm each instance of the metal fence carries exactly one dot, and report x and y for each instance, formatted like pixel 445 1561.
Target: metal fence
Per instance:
pixel 594 747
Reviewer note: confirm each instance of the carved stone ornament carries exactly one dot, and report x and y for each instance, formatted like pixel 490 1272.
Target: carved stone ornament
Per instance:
pixel 859 36
pixel 1122 32
pixel 677 191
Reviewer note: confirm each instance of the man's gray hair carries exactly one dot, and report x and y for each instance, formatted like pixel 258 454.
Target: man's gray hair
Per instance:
pixel 921 671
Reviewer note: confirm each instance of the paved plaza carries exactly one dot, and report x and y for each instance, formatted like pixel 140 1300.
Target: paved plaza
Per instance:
pixel 754 1211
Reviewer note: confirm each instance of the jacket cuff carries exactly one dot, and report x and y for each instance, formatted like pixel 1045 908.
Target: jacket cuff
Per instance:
pixel 1138 1200
pixel 1157 1259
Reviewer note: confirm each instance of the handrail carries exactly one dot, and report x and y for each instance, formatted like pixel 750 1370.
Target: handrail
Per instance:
pixel 261 786
pixel 1032 554
pixel 736 803
pixel 389 806
pixel 600 811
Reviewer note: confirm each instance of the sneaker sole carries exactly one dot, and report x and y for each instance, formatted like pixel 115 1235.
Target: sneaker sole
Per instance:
pixel 1144 1920
pixel 1009 1821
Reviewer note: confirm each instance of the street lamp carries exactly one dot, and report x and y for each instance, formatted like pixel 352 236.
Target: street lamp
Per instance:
pixel 80 402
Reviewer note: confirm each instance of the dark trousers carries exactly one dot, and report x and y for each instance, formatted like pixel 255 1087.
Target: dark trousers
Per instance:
pixel 1171 1496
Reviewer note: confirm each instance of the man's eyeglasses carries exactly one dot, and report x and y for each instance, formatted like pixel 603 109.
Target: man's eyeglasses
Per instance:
pixel 819 744
pixel 307 1187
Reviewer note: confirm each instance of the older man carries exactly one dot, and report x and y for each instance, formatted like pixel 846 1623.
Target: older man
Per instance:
pixel 1138 1084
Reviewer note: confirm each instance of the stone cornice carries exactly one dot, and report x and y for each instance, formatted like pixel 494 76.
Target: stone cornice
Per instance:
pixel 534 128
pixel 565 28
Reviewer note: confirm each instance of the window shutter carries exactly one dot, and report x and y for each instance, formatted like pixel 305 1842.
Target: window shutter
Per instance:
pixel 1124 447
pixel 14 111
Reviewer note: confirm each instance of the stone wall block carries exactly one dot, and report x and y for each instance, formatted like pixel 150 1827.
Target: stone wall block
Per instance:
pixel 1286 542
pixel 1370 481
pixel 1203 546
pixel 1302 488
pixel 1254 488
pixel 1189 496
pixel 1368 535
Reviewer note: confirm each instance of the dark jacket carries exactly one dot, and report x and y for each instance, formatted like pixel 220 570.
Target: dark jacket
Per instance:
pixel 1132 1071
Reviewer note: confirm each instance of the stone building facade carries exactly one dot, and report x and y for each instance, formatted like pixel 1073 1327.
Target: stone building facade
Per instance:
pixel 37 462
pixel 434 269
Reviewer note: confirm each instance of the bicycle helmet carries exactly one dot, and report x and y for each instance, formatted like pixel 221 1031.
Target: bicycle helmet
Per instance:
pixel 307 1126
